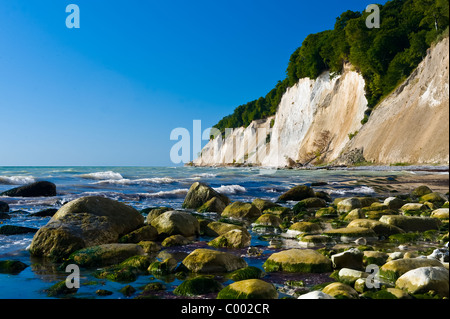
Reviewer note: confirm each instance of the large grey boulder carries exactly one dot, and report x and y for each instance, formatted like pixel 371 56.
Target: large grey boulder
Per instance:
pixel 199 194
pixel 84 222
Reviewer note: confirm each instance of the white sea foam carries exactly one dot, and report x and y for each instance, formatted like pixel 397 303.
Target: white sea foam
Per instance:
pixel 16 180
pixel 180 192
pixel 140 181
pixel 108 175
pixel 230 189
pixel 358 190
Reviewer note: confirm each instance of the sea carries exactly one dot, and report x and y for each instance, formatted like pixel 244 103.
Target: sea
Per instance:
pixel 143 187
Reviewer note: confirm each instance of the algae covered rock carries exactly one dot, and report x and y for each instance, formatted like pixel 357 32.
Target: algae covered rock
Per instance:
pixel 246 273
pixel 340 290
pixel 349 234
pixel 240 210
pixel 215 229
pixel 212 261
pixel 11 266
pixel 215 204
pixel 421 191
pixel 249 289
pixel 268 220
pixel 393 269
pixel 175 240
pixel 305 227
pixel 422 280
pixel 263 204
pixel 199 194
pixel 348 204
pixel 199 285
pixel 297 193
pixel 298 260
pixel 234 238
pixel 84 222
pixel 441 213
pixel 60 289
pixel 145 233
pixel 154 212
pixel 380 228
pixel 351 258
pixel 176 223
pixel 149 246
pixel 312 202
pixel 103 255
pixel 411 223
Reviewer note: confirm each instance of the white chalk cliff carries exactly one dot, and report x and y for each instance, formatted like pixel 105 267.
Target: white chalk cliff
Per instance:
pixel 316 118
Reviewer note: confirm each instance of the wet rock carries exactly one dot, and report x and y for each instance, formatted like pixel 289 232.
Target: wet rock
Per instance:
pixel 84 222
pixel 249 289
pixel 356 213
pixel 240 210
pixel 8 230
pixel 37 189
pixel 435 198
pixel 145 233
pixel 350 234
pixel 351 258
pixel 440 254
pixel 149 246
pixel 263 204
pixel 312 202
pixel 378 258
pixel 199 285
pixel 340 291
pixel 441 213
pixel 348 204
pixel 45 213
pixel 11 266
pixel 326 212
pixel 4 216
pixel 421 191
pixel 215 229
pixel 350 276
pixel 213 205
pixel 424 279
pixel 297 193
pixel 104 255
pixel 176 223
pixel 305 227
pixel 268 220
pixel 411 223
pixel 246 273
pixel 4 207
pixel 199 194
pixel 392 270
pixel 380 228
pixel 175 240
pixel 394 203
pixel 212 261
pixel 152 213
pixel 298 260
pixel 163 268
pixel 60 289
pixel 234 238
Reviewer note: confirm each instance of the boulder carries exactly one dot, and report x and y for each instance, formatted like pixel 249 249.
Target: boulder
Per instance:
pixel 420 191
pixel 422 280
pixel 312 202
pixel 4 207
pixel 339 290
pixel 394 203
pixel 298 261
pixel 11 266
pixel 212 261
pixel 413 207
pixel 149 246
pixel 316 294
pixel 348 204
pixel 234 238
pixel 240 210
pixel 175 240
pixel 176 223
pixel 152 213
pixel 215 229
pixel 356 213
pixel 297 193
pixel 199 194
pixel 326 212
pixel 37 189
pixel 351 258
pixel 104 255
pixel 213 205
pixel 441 213
pixel 306 227
pixel 378 258
pixel 84 222
pixel 145 233
pixel 380 228
pixel 249 289
pixel 350 276
pixel 411 223
pixel 45 213
pixel 393 269
pixel 263 204
pixel 4 216
pixel 16 230
pixel 435 198
pixel 268 220
pixel 250 272
pixel 199 285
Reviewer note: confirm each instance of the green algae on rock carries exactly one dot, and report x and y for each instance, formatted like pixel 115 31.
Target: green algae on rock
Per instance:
pixel 298 261
pixel 249 289
pixel 212 261
pixel 199 285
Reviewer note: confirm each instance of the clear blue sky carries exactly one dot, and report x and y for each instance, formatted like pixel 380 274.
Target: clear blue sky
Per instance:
pixel 111 92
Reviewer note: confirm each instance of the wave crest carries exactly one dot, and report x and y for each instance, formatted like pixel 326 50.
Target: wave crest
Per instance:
pixel 16 180
pixel 108 175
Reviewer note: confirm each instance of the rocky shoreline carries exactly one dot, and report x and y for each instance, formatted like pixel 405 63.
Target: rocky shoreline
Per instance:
pixel 376 247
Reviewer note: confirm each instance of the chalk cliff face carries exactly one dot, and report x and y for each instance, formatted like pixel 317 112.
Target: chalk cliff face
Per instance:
pixel 412 124
pixel 316 118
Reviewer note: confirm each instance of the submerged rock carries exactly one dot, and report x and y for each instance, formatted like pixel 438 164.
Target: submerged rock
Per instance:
pixel 37 189
pixel 11 266
pixel 249 289
pixel 16 230
pixel 4 207
pixel 84 222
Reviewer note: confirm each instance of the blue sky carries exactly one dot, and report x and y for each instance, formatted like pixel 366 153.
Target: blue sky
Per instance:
pixel 110 92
